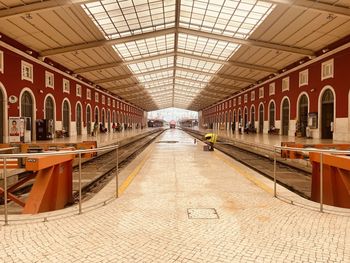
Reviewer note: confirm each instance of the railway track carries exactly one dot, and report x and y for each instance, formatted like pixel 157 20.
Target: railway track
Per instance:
pixel 291 175
pixel 97 171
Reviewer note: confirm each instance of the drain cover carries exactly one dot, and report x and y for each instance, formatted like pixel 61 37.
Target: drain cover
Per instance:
pixel 167 141
pixel 202 213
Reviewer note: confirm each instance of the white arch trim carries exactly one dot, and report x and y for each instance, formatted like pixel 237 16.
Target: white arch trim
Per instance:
pixel 5 111
pixel 69 115
pixel 274 103
pixel 34 109
pixel 54 105
pixel 298 101
pixel 320 109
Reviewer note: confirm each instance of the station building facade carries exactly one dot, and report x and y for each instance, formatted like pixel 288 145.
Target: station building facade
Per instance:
pixel 312 97
pixel 37 90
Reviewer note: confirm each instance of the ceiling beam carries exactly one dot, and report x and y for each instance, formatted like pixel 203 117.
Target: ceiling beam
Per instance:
pixel 178 54
pixel 133 75
pixel 229 63
pixel 217 75
pixel 248 42
pixel 100 43
pixel 38 7
pixel 121 63
pixel 315 5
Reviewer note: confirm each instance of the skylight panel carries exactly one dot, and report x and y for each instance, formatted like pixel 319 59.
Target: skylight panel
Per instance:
pixel 160 83
pixel 144 67
pixel 155 76
pixel 117 18
pixel 206 47
pixel 236 18
pixel 196 64
pixel 192 76
pixel 146 47
pixel 189 83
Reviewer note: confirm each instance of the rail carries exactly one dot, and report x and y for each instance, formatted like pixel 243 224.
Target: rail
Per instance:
pixel 322 152
pixel 78 153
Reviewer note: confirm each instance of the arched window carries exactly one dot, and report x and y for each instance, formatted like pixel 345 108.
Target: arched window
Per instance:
pixel 78 119
pixel 27 110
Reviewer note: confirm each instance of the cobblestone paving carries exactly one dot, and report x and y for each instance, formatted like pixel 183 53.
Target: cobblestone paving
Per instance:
pixel 149 223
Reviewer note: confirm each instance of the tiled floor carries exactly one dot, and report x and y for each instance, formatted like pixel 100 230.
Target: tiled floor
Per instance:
pixel 150 221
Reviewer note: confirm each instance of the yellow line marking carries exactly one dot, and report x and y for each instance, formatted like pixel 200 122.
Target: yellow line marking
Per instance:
pixel 246 174
pixel 133 174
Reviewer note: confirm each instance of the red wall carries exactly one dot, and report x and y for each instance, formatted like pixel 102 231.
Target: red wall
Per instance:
pixel 11 79
pixel 340 83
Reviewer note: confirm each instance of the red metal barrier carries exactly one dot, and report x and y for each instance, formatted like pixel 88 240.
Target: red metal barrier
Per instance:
pixel 52 188
pixel 336 179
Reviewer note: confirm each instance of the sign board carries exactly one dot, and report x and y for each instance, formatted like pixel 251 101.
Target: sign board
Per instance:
pixel 312 120
pixel 16 129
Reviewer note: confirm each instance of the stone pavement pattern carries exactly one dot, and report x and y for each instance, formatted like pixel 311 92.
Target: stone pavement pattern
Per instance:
pixel 149 223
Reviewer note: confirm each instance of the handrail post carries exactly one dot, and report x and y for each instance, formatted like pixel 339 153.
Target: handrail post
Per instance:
pixel 5 191
pixel 321 183
pixel 80 195
pixel 117 173
pixel 274 173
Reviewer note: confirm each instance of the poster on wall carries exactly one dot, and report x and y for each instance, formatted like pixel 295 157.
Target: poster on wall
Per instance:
pixel 16 129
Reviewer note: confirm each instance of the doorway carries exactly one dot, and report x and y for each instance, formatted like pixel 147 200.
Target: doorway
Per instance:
pixel 285 117
pixel 27 111
pixel 2 117
pixel 65 117
pixel 252 117
pixel 261 119
pixel 303 114
pixel 272 115
pixel 327 115
pixel 78 119
pixel 88 119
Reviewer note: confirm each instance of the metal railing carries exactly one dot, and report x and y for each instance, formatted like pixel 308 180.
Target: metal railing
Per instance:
pixel 306 150
pixel 78 153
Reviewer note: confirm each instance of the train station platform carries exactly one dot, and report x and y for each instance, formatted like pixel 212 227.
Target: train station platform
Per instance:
pixel 102 139
pixel 181 204
pixel 266 140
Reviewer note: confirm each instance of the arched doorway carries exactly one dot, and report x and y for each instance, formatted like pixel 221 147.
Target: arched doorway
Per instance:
pixel 103 118
pixel 78 119
pixel 252 117
pixel 285 117
pixel 303 113
pixel 97 118
pixel 327 115
pixel 245 117
pixel 1 117
pixel 50 115
pixel 88 119
pixel 272 115
pixel 234 122
pixel 65 117
pixel 27 111
pixel 261 119
pixel 109 120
